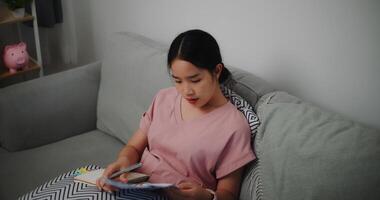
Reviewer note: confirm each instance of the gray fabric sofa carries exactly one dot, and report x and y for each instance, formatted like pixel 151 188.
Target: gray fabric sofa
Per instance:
pixel 82 116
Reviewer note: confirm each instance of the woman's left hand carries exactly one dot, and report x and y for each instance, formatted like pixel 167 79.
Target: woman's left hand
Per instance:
pixel 188 190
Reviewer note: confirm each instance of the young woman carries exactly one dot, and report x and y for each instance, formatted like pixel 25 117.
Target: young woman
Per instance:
pixel 191 135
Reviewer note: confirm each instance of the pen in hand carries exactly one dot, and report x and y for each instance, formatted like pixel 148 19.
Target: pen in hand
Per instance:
pixel 125 170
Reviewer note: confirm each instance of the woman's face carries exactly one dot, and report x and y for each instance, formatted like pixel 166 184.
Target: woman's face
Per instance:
pixel 196 85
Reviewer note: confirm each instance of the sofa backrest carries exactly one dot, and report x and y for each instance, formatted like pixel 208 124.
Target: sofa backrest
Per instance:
pixel 133 70
pixel 248 85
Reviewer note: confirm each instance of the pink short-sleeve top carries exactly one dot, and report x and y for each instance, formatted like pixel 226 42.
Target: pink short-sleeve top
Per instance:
pixel 202 150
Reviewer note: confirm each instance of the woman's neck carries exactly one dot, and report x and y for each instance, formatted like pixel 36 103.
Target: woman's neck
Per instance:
pixel 216 101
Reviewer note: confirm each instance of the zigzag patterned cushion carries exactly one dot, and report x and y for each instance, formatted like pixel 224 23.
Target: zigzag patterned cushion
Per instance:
pixel 244 107
pixel 64 187
pixel 251 187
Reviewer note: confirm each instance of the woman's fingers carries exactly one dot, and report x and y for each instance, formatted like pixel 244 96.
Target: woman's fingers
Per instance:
pixel 123 178
pixel 107 172
pixel 111 169
pixel 103 186
pixel 109 188
pixel 186 185
pixel 99 185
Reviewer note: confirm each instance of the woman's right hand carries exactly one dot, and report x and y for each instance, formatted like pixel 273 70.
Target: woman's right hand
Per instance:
pixel 120 163
pixel 130 154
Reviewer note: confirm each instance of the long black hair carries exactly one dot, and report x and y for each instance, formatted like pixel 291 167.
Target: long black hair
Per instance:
pixel 200 49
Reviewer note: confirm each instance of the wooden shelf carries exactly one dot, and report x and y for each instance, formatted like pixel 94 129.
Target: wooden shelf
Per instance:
pixel 4 72
pixel 6 16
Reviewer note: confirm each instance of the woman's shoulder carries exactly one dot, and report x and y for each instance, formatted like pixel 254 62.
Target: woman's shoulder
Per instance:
pixel 167 95
pixel 236 118
pixel 165 92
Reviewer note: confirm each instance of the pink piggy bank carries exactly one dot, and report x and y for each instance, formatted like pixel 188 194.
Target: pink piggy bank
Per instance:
pixel 16 57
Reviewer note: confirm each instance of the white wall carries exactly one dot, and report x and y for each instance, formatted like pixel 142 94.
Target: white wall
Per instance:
pixel 326 52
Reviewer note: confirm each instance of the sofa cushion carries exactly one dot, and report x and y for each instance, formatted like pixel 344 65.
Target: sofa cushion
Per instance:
pixel 29 110
pixel 49 161
pixel 133 70
pixel 307 153
pixel 247 85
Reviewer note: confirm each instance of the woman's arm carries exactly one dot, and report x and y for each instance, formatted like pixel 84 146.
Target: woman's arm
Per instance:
pixel 134 149
pixel 228 188
pixel 130 154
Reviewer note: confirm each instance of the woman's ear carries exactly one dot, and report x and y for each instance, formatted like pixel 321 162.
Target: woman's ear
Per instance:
pixel 218 70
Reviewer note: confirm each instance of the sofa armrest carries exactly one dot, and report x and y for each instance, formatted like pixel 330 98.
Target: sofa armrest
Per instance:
pixel 50 108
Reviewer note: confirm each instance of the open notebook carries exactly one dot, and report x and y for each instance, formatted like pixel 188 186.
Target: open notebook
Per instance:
pixel 90 177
